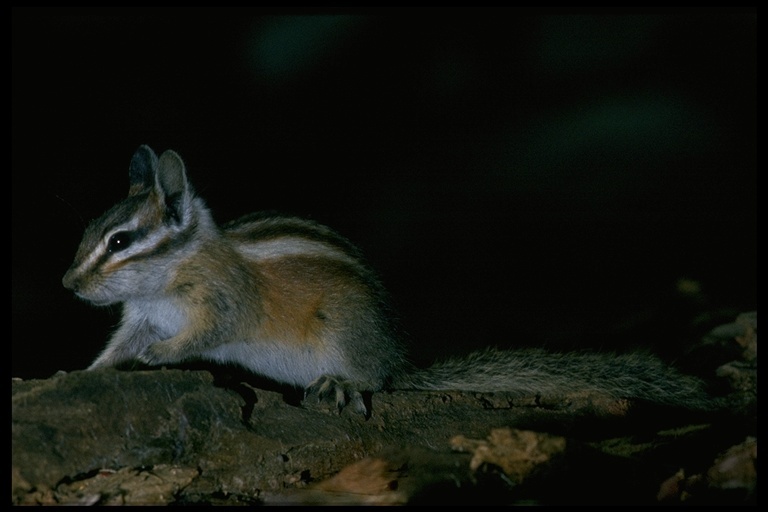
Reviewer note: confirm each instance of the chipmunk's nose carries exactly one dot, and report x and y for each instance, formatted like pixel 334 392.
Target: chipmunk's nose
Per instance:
pixel 70 280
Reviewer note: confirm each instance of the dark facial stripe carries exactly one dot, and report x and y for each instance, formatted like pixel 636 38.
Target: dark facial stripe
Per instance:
pixel 167 245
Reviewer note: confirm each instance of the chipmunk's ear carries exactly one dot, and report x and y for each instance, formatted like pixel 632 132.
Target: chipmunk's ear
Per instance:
pixel 171 184
pixel 141 172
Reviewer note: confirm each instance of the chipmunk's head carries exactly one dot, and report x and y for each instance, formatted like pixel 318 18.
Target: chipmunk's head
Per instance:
pixel 129 251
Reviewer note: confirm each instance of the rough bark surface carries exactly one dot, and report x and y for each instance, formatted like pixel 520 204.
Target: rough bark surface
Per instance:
pixel 183 436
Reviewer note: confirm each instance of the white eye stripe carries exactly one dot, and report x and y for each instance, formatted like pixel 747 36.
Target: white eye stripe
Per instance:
pixel 96 257
pixel 144 244
pixel 131 225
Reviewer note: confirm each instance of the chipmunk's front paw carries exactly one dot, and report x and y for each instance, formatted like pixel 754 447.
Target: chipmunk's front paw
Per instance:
pixel 161 352
pixel 341 392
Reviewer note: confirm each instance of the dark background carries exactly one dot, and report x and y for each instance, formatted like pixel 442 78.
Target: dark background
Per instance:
pixel 517 177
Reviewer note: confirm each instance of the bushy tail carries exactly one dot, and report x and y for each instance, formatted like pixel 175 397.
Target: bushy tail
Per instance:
pixel 534 372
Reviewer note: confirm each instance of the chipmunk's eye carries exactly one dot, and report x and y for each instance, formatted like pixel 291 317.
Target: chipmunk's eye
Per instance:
pixel 119 241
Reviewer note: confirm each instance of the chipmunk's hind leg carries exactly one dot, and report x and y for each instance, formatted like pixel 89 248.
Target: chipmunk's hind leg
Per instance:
pixel 342 393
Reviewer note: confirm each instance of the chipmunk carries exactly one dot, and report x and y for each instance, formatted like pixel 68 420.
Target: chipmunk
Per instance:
pixel 292 300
